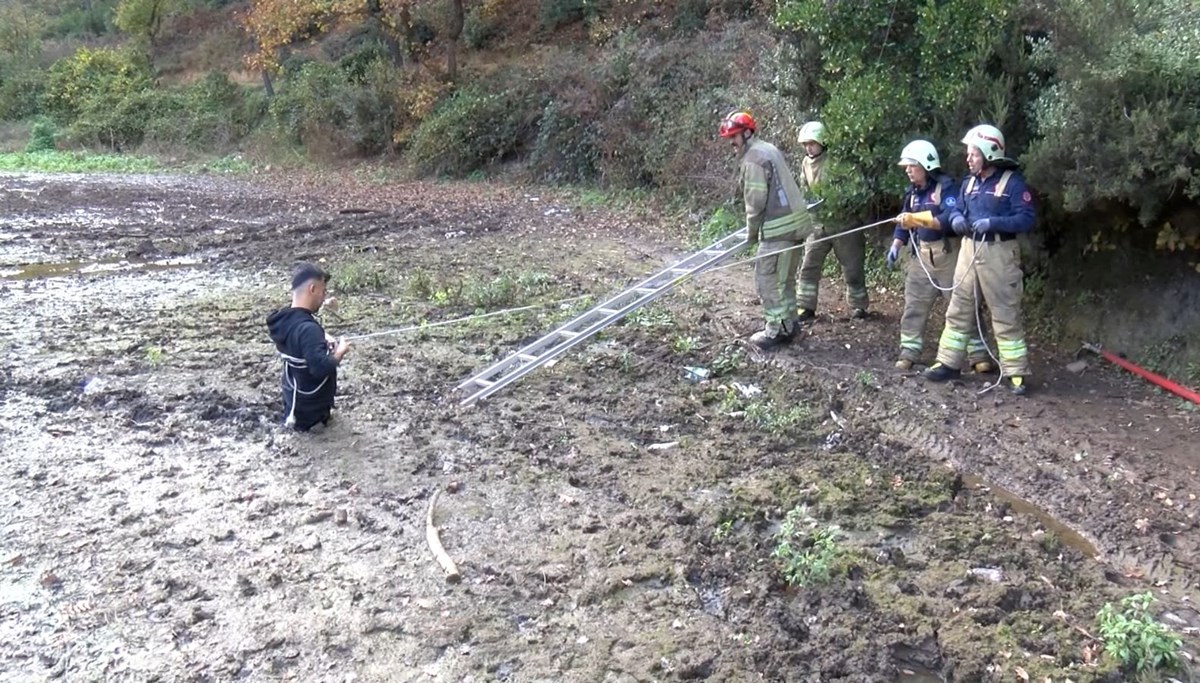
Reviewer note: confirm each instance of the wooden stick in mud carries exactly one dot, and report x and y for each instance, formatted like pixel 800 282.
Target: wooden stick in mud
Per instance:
pixel 435 543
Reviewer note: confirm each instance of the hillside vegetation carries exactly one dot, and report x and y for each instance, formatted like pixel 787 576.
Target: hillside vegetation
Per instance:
pixel 1100 100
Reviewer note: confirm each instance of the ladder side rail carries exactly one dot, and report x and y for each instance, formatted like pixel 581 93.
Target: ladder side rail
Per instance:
pixel 562 348
pixel 611 303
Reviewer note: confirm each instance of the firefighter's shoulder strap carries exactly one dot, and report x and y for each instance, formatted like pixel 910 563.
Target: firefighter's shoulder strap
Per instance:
pixel 1000 186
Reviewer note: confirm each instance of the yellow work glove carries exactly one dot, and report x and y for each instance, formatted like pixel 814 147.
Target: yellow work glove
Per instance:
pixel 921 219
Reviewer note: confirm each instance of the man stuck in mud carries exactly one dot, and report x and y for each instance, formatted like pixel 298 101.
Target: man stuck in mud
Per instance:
pixel 310 357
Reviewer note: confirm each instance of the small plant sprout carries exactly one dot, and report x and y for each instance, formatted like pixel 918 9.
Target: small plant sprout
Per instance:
pixel 684 344
pixel 804 549
pixel 1135 639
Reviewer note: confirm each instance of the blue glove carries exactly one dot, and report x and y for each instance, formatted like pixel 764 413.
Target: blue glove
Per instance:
pixel 892 255
pixel 981 226
pixel 958 224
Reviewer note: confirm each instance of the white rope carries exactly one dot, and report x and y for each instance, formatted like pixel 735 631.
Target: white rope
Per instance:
pixel 806 243
pixel 507 311
pixel 481 316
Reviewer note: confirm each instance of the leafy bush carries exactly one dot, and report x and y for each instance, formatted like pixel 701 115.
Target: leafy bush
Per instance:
pixel 81 20
pixel 474 128
pixel 1135 639
pixel 21 93
pixel 119 120
pixel 92 79
pixel 1119 121
pixel 565 150
pixel 320 107
pixel 555 13
pixel 41 138
pixel 887 75
pixel 480 27
pixel 210 115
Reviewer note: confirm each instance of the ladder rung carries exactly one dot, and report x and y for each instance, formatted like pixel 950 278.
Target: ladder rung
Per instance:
pixel 527 357
pixel 645 290
pixel 484 382
pixel 680 271
pixel 568 334
pixel 606 311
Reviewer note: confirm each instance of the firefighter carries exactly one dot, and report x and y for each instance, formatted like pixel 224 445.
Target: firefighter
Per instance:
pixel 923 233
pixel 850 250
pixel 994 206
pixel 777 221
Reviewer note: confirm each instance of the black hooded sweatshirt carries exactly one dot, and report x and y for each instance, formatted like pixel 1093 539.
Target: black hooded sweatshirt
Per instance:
pixel 297 333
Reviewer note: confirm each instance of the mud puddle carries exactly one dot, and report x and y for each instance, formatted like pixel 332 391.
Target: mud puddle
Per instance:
pixel 1066 535
pixel 36 271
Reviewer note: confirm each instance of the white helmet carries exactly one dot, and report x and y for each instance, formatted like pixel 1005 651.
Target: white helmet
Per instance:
pixel 921 153
pixel 813 131
pixel 988 139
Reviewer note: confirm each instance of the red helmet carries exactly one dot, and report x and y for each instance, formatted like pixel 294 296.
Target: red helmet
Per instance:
pixel 735 123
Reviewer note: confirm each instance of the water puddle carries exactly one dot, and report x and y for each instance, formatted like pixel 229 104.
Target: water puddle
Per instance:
pixel 38 271
pixel 1068 536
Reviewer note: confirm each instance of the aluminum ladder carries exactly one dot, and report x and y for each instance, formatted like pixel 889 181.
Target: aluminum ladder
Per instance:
pixel 570 334
pixel 579 329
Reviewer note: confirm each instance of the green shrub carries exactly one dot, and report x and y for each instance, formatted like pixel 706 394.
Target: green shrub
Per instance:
pixel 94 78
pixel 887 75
pixel 480 27
pixel 1135 639
pixel 81 20
pixel 41 138
pixel 565 149
pixel 320 108
pixel 805 551
pixel 211 115
pixel 555 13
pixel 1119 122
pixel 119 120
pixel 474 128
pixel 21 93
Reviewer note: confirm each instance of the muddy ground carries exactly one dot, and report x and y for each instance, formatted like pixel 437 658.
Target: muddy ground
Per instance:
pixel 613 520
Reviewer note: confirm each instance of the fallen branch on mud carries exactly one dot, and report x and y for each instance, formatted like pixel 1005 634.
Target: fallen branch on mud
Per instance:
pixel 435 543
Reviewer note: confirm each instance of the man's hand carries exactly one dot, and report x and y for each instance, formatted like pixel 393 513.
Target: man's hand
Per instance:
pixel 920 219
pixel 959 224
pixel 343 347
pixel 982 225
pixel 893 254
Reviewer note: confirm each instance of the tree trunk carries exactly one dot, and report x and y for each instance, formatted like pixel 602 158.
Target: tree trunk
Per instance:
pixel 454 33
pixel 404 28
pixel 268 87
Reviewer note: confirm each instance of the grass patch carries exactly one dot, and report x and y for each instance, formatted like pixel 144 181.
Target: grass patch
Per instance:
pixel 232 164
pixel 358 275
pixel 76 162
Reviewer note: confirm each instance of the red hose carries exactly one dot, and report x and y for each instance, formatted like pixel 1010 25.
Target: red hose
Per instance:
pixel 1161 381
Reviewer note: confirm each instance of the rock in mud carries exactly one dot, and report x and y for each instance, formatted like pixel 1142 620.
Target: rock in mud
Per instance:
pixel 318 516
